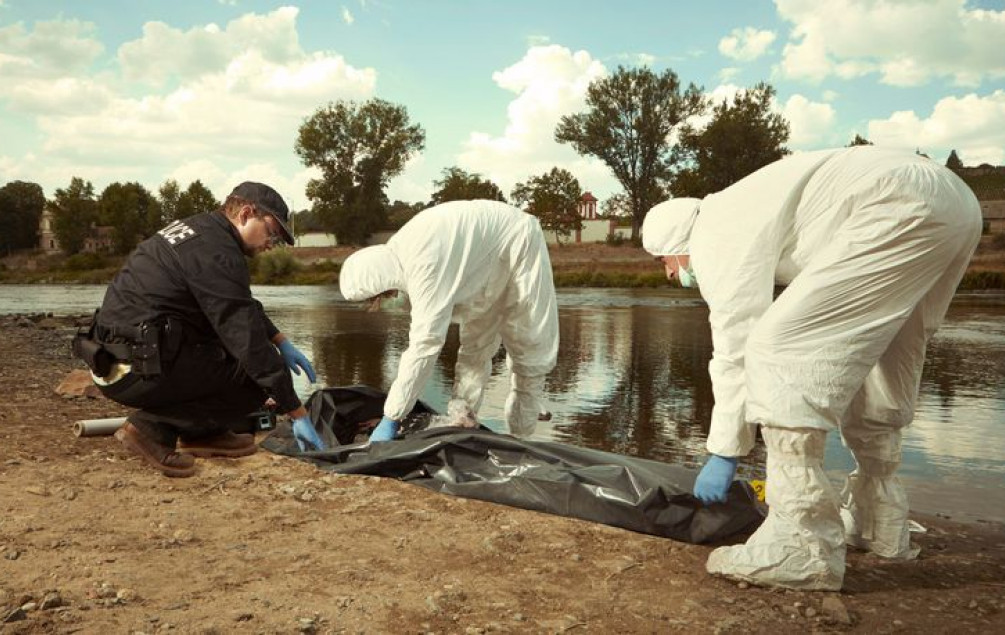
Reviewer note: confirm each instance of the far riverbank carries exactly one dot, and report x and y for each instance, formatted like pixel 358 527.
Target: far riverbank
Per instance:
pixel 576 265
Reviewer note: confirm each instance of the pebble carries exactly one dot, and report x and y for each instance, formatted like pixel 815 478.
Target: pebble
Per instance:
pixel 16 615
pixel 105 591
pixel 126 595
pixel 835 610
pixel 50 601
pixel 183 535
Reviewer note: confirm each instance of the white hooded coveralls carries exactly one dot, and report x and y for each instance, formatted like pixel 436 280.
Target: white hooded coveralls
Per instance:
pixel 871 244
pixel 485 265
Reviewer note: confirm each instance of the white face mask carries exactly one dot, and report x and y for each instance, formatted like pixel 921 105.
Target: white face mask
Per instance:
pixel 686 275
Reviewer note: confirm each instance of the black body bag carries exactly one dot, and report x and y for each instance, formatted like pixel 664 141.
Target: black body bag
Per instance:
pixel 628 492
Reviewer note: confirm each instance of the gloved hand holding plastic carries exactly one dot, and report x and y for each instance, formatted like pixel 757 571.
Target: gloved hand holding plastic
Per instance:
pixel 305 434
pixel 296 360
pixel 386 430
pixel 712 484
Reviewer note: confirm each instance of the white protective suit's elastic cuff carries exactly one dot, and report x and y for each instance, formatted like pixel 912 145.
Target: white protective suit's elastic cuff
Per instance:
pixel 736 442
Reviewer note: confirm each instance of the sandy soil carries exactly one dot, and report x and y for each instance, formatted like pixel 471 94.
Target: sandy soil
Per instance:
pixel 93 541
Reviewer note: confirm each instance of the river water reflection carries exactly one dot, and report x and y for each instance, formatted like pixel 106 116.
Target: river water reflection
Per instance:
pixel 631 378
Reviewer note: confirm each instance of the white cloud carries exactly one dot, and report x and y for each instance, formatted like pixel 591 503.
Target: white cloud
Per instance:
pixel 550 81
pixel 645 59
pixel 165 53
pixel 347 16
pixel 728 74
pixel 636 59
pixel 905 43
pixel 228 95
pixel 972 125
pixel 747 44
pixel 412 185
pixel 54 48
pixel 810 123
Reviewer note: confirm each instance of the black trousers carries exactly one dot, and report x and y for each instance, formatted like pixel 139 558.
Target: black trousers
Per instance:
pixel 201 393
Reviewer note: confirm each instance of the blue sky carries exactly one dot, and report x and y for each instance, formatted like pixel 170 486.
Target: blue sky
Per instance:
pixel 144 90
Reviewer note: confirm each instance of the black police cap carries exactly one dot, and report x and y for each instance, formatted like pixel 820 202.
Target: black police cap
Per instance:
pixel 268 200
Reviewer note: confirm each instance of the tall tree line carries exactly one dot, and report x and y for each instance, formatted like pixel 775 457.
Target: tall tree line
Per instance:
pixel 639 123
pixel 129 210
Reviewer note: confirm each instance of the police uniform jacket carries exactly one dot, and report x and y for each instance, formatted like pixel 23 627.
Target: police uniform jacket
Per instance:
pixel 194 271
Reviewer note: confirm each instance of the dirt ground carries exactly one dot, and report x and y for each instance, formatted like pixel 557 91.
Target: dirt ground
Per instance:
pixel 93 541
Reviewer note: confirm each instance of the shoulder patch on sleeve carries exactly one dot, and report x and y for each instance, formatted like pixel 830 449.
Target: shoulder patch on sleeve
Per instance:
pixel 176 233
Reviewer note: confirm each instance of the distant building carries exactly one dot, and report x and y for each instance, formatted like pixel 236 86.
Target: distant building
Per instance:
pixel 98 240
pixel 994 216
pixel 594 229
pixel 315 239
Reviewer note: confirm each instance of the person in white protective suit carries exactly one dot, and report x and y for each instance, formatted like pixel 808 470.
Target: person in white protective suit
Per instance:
pixel 871 244
pixel 485 265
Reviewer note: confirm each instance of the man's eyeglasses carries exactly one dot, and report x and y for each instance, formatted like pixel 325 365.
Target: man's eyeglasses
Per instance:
pixel 275 236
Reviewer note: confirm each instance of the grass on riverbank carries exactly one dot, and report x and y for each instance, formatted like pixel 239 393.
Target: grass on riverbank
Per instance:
pixel 584 265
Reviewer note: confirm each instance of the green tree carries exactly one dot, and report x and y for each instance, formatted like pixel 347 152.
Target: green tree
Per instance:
pixel 306 221
pixel 169 196
pixel 554 198
pixel 616 206
pixel 954 162
pixel 400 212
pixel 196 199
pixel 743 136
pixel 859 140
pixel 21 205
pixel 630 117
pixel 132 212
pixel 359 148
pixel 458 185
pixel 74 213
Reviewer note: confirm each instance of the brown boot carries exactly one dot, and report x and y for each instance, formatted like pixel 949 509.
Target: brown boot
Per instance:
pixel 162 457
pixel 229 444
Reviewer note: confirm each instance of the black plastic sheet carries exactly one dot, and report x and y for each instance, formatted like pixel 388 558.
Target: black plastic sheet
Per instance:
pixel 628 492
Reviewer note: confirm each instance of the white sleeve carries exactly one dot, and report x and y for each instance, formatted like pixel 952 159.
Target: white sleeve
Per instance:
pixel 432 305
pixel 735 266
pixel 730 434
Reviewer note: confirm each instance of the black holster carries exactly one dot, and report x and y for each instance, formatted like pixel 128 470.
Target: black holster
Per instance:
pixel 146 351
pixel 92 352
pixel 140 346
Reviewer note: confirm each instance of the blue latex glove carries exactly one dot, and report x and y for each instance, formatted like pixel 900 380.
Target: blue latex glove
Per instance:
pixel 296 360
pixel 712 484
pixel 386 430
pixel 305 434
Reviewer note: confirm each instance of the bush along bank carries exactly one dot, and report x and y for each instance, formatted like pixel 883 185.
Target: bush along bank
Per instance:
pixel 281 267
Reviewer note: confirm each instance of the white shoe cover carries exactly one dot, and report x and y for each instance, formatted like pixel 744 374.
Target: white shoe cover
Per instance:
pixel 800 545
pixel 523 404
pixel 874 511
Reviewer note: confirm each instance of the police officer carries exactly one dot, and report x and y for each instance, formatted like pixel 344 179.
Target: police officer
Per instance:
pixel 180 337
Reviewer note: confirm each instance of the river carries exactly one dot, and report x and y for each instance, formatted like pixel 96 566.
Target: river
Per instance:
pixel 631 378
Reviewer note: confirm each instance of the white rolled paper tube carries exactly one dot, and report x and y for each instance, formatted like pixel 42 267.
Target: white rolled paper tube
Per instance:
pixel 97 427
